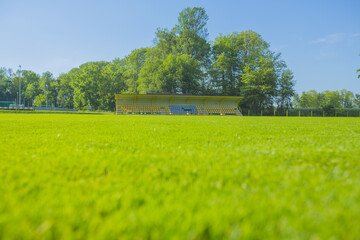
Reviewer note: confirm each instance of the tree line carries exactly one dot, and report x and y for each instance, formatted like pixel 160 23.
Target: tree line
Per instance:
pixel 181 60
pixel 327 99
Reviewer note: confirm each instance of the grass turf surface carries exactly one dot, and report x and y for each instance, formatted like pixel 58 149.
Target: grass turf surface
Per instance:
pixel 178 177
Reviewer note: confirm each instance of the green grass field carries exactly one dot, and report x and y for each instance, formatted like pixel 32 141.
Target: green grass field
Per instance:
pixel 76 176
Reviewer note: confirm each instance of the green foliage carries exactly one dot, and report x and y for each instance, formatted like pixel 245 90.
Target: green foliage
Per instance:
pixel 259 85
pixel 92 84
pixel 346 99
pixel 133 64
pixel 177 62
pixel 148 81
pixel 31 91
pixel 40 100
pixel 28 79
pixel 305 112
pixel 193 20
pixel 176 74
pixel 244 65
pixel 48 87
pixel 296 101
pixel 357 100
pixel 327 99
pixel 5 84
pixel 285 90
pixel 193 45
pixel 65 90
pixel 178 177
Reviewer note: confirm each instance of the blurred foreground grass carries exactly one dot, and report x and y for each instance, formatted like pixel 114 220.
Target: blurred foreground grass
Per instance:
pixel 178 177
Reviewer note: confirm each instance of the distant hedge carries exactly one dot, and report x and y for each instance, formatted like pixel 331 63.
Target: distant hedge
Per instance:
pixel 304 112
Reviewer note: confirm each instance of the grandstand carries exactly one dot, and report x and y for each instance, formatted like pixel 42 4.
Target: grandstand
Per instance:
pixel 176 104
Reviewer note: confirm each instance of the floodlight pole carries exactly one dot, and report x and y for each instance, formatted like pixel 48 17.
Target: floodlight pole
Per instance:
pixel 20 85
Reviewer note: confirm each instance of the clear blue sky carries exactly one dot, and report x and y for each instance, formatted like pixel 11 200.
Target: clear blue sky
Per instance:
pixel 319 40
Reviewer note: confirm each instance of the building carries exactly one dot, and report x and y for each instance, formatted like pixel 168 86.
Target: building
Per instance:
pixel 176 104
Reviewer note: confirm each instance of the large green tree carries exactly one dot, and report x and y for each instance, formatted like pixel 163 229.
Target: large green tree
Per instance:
pixel 176 74
pixel 296 101
pixel 178 61
pixel 94 85
pixel 194 20
pixel 311 99
pixel 192 34
pixel 243 64
pixel 5 84
pixel 132 66
pixel 65 96
pixel 357 100
pixel 231 54
pixel 113 82
pixel 285 90
pixel 86 85
pixel 48 88
pixel 259 85
pixel 346 98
